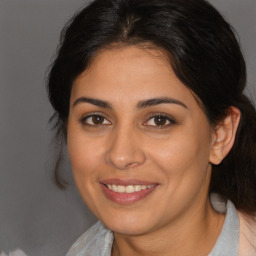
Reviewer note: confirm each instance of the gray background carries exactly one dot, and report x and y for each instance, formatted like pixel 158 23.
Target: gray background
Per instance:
pixel 34 215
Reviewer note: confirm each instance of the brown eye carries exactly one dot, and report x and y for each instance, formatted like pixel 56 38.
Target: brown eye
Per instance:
pixel 94 120
pixel 97 119
pixel 160 120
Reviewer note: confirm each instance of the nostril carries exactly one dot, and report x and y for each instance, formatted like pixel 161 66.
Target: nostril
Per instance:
pixel 131 164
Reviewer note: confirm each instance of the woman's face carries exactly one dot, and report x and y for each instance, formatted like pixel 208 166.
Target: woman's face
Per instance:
pixel 139 143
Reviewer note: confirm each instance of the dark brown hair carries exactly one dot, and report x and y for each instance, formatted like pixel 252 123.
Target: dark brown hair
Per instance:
pixel 204 54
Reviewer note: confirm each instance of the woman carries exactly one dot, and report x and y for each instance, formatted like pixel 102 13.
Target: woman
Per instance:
pixel 149 97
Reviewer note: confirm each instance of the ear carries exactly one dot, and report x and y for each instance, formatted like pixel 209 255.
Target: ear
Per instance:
pixel 224 135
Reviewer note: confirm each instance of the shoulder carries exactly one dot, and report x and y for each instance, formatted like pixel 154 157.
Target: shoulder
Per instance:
pixel 247 241
pixel 96 241
pixel 242 226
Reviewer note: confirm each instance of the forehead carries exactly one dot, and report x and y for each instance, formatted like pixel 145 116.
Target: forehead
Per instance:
pixel 130 74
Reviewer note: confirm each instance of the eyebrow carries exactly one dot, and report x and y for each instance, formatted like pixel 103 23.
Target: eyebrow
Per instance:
pixel 142 104
pixel 158 101
pixel 96 102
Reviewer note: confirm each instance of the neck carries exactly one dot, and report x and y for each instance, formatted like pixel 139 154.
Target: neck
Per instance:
pixel 195 233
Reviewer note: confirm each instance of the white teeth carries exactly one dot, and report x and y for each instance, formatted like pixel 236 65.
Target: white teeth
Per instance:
pixel 128 189
pixel 120 189
pixel 137 188
pixel 114 188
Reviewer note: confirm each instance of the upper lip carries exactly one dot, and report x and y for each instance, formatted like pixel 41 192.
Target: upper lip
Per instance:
pixel 126 182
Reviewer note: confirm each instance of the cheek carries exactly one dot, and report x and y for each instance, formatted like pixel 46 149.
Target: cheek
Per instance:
pixel 85 158
pixel 183 161
pixel 185 152
pixel 84 153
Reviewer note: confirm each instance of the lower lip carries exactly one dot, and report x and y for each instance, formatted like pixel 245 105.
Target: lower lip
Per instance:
pixel 126 198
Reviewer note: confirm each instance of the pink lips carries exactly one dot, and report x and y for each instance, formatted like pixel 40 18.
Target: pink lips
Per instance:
pixel 126 198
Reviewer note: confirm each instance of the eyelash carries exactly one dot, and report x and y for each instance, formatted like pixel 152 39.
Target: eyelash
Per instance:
pixel 160 115
pixel 152 116
pixel 85 118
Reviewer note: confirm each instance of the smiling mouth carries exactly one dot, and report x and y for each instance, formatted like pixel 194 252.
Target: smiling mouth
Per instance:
pixel 128 189
pixel 122 192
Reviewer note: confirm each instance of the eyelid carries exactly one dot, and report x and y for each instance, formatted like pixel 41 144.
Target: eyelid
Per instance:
pixel 89 115
pixel 169 118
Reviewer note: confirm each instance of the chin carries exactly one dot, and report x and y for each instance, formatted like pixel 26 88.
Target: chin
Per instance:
pixel 128 224
pixel 129 230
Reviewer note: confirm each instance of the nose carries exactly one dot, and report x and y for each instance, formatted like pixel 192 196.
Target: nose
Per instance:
pixel 125 149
